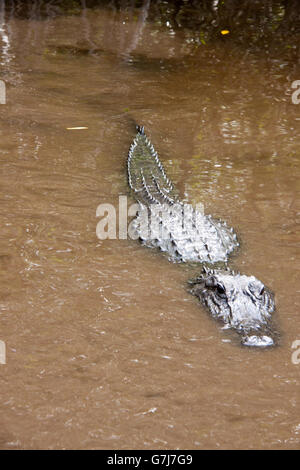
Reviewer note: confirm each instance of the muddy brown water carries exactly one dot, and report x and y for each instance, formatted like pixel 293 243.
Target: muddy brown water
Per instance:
pixel 105 347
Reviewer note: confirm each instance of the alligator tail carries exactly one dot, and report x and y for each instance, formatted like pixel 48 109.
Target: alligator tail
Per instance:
pixel 146 174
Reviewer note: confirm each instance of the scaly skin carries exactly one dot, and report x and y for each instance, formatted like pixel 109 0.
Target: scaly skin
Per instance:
pixel 187 235
pixel 199 238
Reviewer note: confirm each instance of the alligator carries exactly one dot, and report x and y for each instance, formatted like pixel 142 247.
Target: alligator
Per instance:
pixel 186 234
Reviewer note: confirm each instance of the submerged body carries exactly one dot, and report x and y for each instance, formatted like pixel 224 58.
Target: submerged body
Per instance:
pixel 188 235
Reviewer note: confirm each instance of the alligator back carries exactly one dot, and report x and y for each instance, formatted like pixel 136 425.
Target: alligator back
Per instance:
pixel 185 233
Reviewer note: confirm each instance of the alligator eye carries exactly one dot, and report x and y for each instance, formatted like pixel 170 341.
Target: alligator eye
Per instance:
pixel 220 289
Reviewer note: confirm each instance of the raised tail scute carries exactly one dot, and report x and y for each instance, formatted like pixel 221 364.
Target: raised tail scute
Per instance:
pixel 140 130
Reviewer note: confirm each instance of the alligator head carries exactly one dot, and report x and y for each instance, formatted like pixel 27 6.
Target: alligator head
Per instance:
pixel 242 302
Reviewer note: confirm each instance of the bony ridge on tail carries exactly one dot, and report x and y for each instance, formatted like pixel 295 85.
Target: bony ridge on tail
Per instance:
pixel 241 302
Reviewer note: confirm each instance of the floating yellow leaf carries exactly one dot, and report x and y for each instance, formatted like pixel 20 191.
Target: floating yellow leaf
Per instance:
pixel 76 128
pixel 225 31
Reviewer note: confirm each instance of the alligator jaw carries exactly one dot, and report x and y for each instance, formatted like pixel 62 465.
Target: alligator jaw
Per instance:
pixel 257 341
